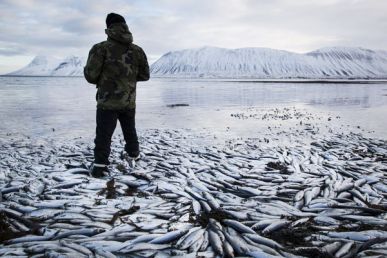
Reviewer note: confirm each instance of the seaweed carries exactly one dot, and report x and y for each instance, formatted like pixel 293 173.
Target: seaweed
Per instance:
pixel 131 191
pixel 203 218
pixel 110 190
pixel 124 212
pixel 292 237
pixel 7 231
pixel 178 105
pixel 277 166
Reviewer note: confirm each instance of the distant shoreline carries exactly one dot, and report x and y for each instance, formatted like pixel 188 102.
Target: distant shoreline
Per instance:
pixel 241 80
pixel 344 81
pixel 49 76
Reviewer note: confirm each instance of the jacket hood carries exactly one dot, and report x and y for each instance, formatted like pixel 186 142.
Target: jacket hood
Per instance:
pixel 120 32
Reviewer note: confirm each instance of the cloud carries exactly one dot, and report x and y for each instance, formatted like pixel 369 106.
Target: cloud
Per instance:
pixel 60 28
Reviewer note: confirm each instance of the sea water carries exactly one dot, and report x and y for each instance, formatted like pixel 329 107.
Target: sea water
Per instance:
pixel 65 106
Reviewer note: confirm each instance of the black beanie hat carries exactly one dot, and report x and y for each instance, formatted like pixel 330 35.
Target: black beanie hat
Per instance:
pixel 114 18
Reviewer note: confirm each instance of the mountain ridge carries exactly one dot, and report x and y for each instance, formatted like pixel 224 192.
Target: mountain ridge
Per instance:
pixel 240 63
pixel 43 65
pixel 267 63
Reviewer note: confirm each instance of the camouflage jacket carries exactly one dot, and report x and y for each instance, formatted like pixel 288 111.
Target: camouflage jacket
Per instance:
pixel 115 66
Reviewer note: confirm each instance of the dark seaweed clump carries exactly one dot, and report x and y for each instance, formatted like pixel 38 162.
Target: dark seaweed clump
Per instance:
pixel 7 231
pixel 110 190
pixel 277 166
pixel 203 218
pixel 124 212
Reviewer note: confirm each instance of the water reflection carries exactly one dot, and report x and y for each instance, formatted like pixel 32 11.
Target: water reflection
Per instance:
pixel 209 94
pixel 35 105
pixel 363 102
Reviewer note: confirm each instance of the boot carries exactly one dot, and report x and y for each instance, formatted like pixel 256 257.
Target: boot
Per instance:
pixel 134 155
pixel 99 171
pixel 130 156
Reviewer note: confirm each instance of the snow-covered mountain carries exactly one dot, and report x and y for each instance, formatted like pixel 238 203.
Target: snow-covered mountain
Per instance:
pixel 70 66
pixel 50 66
pixel 265 63
pixel 213 62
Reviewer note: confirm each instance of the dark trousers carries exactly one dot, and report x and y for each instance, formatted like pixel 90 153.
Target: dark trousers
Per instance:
pixel 106 123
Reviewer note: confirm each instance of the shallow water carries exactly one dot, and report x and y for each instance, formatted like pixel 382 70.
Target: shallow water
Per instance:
pixel 60 106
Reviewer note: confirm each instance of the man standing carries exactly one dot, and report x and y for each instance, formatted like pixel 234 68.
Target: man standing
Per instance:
pixel 115 66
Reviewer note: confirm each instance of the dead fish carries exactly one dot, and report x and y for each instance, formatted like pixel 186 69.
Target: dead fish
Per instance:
pixel 76 247
pixel 263 240
pixel 275 226
pixel 261 254
pixel 29 238
pixel 344 249
pixel 143 246
pixel 215 242
pixel 238 226
pixel 181 188
pixel 168 237
pixel 84 232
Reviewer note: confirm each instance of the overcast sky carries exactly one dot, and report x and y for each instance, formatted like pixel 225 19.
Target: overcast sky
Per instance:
pixel 71 27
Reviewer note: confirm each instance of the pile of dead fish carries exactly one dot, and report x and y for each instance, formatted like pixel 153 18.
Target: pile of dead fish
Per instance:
pixel 183 199
pixel 285 113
